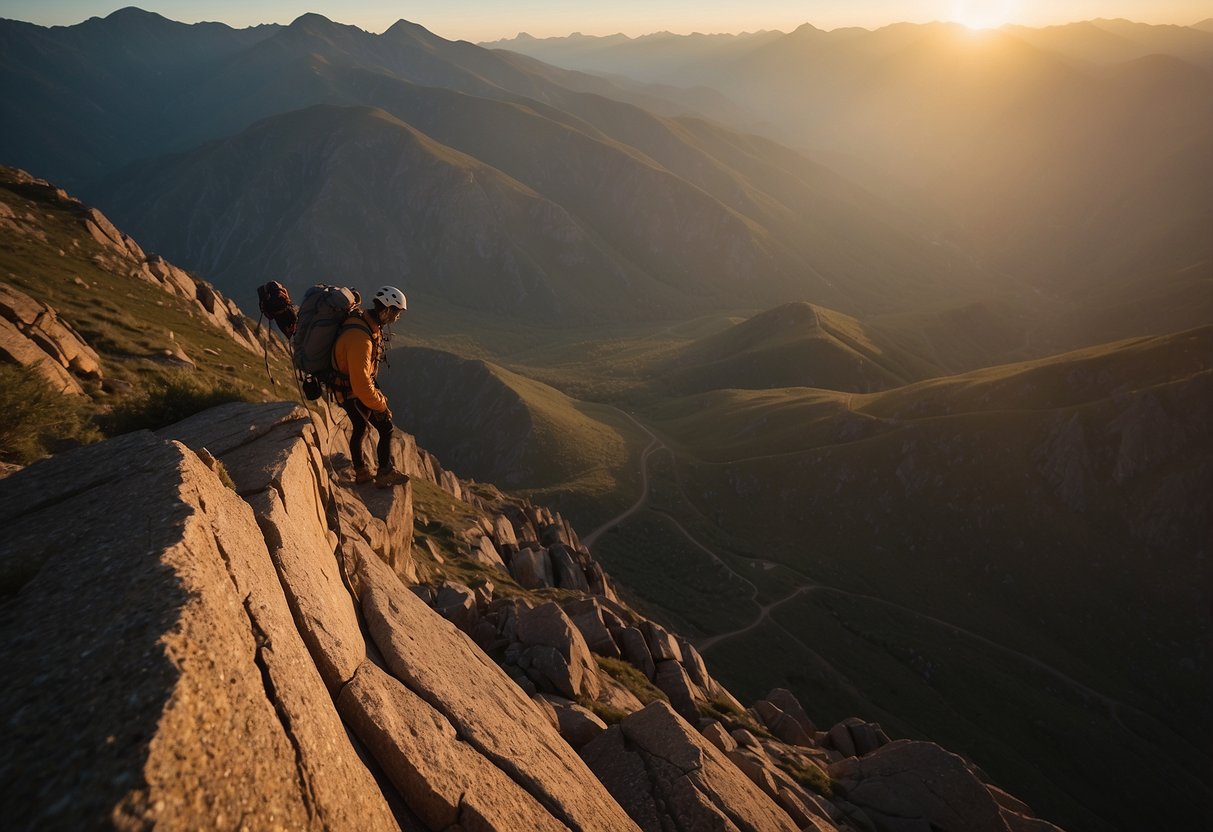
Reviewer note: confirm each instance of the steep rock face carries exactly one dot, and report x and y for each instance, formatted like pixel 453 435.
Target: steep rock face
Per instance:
pixel 154 661
pixel 258 633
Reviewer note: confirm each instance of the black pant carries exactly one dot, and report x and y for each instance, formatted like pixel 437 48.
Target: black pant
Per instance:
pixel 361 416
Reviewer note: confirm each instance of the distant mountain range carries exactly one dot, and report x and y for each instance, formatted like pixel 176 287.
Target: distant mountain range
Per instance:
pixel 1073 157
pixel 474 175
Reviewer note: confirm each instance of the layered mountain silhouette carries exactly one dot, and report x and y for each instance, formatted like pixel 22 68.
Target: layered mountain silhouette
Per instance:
pixel 1069 157
pixel 683 212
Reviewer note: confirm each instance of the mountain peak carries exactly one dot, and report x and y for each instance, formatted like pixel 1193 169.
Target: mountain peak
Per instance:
pixel 411 29
pixel 134 16
pixel 310 20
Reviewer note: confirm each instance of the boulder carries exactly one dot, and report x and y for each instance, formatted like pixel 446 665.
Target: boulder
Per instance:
pixel 548 625
pixel 17 307
pixel 153 671
pixel 503 531
pixel 487 710
pixel 662 645
pixel 565 570
pixel 672 680
pixel 578 725
pixel 781 725
pixel 483 551
pixel 635 651
pixel 693 662
pixel 599 583
pixel 840 740
pixel 457 604
pixel 531 568
pixel 449 483
pixel 550 671
pixel 616 695
pixel 757 768
pixel 17 348
pixel 854 738
pixel 443 780
pixel 919 780
pixel 745 739
pixel 688 778
pixel 586 615
pixel 787 702
pixel 393 507
pixel 715 733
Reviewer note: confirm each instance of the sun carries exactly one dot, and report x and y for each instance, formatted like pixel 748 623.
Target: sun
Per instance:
pixel 984 14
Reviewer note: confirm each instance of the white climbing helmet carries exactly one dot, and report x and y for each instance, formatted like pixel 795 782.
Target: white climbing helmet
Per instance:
pixel 391 296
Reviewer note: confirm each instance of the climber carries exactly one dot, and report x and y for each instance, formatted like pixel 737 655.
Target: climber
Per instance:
pixel 356 356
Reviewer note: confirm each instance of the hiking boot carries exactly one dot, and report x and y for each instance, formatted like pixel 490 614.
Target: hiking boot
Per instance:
pixel 363 475
pixel 389 477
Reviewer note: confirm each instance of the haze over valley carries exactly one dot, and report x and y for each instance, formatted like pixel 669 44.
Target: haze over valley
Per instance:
pixel 878 363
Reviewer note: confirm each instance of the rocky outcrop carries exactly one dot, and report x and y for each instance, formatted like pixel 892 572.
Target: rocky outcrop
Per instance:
pixel 33 335
pixel 907 782
pixel 119 254
pixel 154 661
pixel 666 775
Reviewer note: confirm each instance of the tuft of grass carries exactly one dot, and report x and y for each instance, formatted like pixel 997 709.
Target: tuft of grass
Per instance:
pixel 807 775
pixel 728 715
pixel 169 400
pixel 607 713
pixel 224 475
pixel 632 679
pixel 38 420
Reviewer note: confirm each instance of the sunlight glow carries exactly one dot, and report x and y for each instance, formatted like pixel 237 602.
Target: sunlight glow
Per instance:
pixel 985 14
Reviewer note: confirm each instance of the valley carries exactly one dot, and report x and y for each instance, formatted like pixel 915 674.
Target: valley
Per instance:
pixel 955 537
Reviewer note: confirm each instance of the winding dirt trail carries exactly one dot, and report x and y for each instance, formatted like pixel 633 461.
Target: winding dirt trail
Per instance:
pixel 654 445
pixel 1113 706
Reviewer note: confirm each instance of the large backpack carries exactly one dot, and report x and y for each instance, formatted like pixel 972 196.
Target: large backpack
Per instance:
pixel 321 315
pixel 275 303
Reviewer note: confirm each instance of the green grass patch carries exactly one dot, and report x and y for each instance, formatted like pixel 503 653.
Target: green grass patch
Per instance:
pixel 38 420
pixel 169 400
pixel 607 713
pixel 632 679
pixel 808 775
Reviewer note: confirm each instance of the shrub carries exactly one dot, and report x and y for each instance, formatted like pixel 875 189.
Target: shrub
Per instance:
pixel 36 420
pixel 167 401
pixel 607 713
pixel 632 679
pixel 808 775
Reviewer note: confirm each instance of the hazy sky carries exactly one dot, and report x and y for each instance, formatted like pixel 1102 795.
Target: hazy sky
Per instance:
pixel 491 19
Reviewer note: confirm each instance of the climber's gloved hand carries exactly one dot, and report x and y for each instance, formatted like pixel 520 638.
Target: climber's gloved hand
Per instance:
pixel 382 418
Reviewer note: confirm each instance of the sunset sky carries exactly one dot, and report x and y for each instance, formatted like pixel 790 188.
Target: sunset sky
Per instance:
pixel 491 19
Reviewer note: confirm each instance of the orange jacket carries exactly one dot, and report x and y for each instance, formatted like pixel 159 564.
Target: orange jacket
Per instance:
pixel 356 355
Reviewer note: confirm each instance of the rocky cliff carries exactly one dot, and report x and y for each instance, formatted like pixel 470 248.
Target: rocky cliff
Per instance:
pixel 213 626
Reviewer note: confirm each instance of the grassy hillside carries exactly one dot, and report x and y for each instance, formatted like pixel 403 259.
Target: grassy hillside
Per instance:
pixel 136 327
pixel 1049 520
pixel 795 345
pixel 497 426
